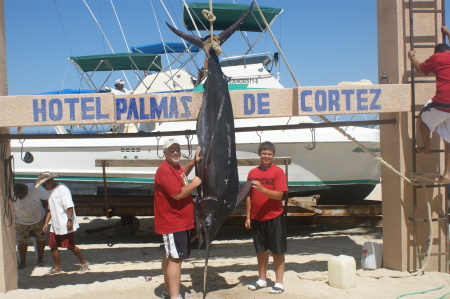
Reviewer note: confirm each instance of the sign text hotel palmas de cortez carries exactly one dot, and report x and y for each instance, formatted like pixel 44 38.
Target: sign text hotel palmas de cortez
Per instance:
pixel 96 108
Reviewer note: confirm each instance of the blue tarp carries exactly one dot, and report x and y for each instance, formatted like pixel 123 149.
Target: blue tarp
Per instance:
pixel 68 91
pixel 162 48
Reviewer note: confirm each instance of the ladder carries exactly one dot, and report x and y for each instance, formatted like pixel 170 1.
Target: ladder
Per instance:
pixel 426 10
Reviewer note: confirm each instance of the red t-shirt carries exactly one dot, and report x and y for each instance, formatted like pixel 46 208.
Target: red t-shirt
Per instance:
pixel 264 208
pixel 171 215
pixel 439 64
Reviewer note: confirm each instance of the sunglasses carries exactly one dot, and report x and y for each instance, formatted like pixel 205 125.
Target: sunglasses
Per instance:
pixel 20 195
pixel 44 184
pixel 172 150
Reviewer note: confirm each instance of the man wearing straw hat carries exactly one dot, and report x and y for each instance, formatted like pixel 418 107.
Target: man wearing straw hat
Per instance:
pixel 64 222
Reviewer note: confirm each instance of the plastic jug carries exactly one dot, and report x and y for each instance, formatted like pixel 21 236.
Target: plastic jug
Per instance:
pixel 372 256
pixel 342 272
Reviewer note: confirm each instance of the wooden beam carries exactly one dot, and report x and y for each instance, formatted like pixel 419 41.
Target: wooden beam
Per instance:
pixel 157 162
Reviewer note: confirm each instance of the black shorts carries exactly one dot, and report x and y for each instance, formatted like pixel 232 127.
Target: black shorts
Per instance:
pixel 270 234
pixel 178 245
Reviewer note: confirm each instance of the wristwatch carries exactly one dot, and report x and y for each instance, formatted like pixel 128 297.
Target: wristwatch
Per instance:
pixel 70 219
pixel 410 57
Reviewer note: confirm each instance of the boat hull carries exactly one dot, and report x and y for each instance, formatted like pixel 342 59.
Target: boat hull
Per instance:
pixel 339 171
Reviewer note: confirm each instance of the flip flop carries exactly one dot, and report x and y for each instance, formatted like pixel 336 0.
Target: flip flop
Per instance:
pixel 276 290
pixel 52 271
pixel 255 286
pixel 84 268
pixel 41 265
pixel 443 181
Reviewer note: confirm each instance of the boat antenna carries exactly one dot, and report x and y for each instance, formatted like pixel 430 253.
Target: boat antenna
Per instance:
pixel 192 18
pixel 160 35
pixel 120 26
pixel 276 44
pixel 105 37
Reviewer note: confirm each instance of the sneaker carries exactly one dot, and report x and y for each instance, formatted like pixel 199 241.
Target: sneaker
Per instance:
pixel 165 294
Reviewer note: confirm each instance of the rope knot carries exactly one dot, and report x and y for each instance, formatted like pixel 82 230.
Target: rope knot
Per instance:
pixel 208 15
pixel 212 43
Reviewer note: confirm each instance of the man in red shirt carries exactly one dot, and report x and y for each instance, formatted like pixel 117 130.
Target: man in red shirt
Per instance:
pixel 435 114
pixel 174 213
pixel 265 217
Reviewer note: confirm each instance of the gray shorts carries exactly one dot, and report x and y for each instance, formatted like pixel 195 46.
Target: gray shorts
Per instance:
pixel 23 232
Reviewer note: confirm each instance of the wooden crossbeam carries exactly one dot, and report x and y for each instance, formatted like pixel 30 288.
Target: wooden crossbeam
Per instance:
pixel 157 162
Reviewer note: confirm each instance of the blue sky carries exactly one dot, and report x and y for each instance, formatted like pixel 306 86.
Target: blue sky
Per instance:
pixel 325 41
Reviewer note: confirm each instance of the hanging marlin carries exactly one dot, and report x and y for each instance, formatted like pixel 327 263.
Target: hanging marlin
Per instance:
pixel 219 192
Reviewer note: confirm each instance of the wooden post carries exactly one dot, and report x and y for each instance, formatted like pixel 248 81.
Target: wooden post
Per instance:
pixel 8 261
pixel 396 142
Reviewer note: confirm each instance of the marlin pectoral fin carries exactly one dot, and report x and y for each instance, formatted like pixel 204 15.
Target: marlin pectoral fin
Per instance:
pixel 244 189
pixel 187 37
pixel 230 30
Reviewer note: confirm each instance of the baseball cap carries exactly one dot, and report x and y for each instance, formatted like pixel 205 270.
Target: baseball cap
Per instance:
pixel 169 142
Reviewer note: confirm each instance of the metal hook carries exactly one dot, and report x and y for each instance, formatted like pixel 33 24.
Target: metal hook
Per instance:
pixel 259 136
pixel 157 147
pixel 28 158
pixel 313 135
pixel 189 147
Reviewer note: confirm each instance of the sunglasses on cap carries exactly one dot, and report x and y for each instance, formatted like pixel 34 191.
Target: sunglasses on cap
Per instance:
pixel 172 150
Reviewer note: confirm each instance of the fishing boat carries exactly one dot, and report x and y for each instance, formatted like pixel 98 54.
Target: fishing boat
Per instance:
pixel 323 161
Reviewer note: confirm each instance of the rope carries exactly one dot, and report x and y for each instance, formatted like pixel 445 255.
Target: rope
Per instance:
pixel 423 292
pixel 213 42
pixel 8 181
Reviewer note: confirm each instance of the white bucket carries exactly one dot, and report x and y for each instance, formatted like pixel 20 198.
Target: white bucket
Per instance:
pixel 372 256
pixel 342 272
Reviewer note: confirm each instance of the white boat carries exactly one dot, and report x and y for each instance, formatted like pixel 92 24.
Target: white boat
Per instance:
pixel 324 161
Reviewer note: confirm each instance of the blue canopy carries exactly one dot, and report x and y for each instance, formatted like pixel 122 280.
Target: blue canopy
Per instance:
pixel 68 91
pixel 162 48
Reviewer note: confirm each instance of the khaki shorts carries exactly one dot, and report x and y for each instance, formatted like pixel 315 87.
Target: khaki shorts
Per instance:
pixel 437 120
pixel 23 232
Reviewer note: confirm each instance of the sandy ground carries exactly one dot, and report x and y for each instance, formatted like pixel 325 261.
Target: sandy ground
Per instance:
pixel 119 266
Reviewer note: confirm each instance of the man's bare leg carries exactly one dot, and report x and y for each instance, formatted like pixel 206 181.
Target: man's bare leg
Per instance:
pixel 425 132
pixel 278 262
pixel 23 255
pixel 56 260
pixel 445 177
pixel 263 262
pixel 173 274
pixel 40 251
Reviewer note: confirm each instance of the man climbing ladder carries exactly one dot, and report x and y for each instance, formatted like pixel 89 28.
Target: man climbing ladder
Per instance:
pixel 435 115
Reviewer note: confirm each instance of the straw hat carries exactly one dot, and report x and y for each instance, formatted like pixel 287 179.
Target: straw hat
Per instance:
pixel 43 177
